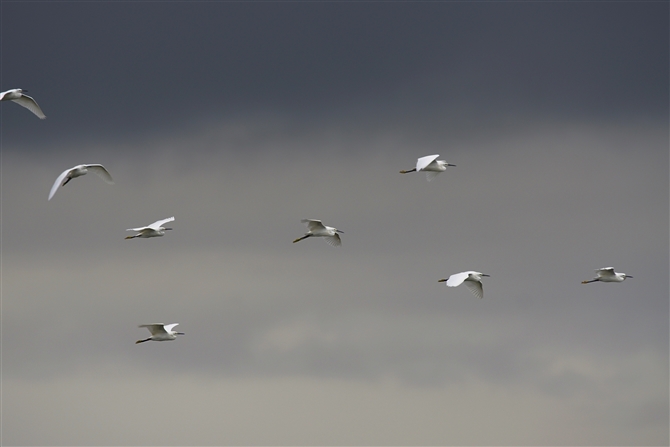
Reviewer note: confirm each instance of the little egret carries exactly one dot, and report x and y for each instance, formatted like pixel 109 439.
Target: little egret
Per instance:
pixel 160 332
pixel 317 229
pixel 78 171
pixel 608 274
pixel 472 280
pixel 16 95
pixel 430 165
pixel 156 229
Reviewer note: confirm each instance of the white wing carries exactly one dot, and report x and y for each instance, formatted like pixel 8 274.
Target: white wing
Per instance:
pixel 430 175
pixel 333 240
pixel 168 327
pixel 606 272
pixel 422 162
pixel 314 225
pixel 138 229
pixel 102 172
pixel 30 104
pixel 457 279
pixel 155 329
pixel 59 182
pixel 159 223
pixel 2 95
pixel 475 287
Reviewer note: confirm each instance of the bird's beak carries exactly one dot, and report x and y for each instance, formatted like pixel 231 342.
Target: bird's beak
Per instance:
pixel 442 280
pixel 339 231
pixel 449 164
pixel 484 274
pixel 628 276
pixel 180 333
pixel 167 228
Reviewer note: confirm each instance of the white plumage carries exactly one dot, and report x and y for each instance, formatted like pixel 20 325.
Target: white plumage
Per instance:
pixel 160 332
pixel 16 95
pixel 471 279
pixel 156 229
pixel 430 165
pixel 78 171
pixel 318 229
pixel 607 274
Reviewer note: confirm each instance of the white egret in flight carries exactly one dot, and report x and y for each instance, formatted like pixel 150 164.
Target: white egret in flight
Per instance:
pixel 430 165
pixel 16 95
pixel 608 274
pixel 78 171
pixel 156 229
pixel 317 229
pixel 160 332
pixel 472 280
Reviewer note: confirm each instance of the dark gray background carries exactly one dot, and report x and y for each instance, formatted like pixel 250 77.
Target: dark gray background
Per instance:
pixel 242 118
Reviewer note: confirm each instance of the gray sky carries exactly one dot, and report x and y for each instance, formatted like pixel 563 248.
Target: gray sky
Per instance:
pixel 240 119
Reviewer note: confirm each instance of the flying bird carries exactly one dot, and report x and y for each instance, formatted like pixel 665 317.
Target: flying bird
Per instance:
pixel 156 229
pixel 472 280
pixel 430 165
pixel 78 171
pixel 317 229
pixel 160 332
pixel 16 95
pixel 608 274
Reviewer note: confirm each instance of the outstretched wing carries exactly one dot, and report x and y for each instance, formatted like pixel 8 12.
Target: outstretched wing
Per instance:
pixel 159 223
pixel 457 279
pixel 168 327
pixel 58 182
pixel 422 162
pixel 475 287
pixel 102 172
pixel 155 329
pixel 314 225
pixel 607 272
pixel 138 229
pixel 333 240
pixel 30 104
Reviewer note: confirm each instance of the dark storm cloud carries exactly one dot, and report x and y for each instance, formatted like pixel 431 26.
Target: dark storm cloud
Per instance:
pixel 109 69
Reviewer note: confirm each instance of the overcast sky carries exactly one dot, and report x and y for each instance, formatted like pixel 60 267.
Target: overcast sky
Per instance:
pixel 242 118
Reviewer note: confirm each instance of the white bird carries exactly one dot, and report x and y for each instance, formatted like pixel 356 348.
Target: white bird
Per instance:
pixel 430 165
pixel 78 171
pixel 156 229
pixel 608 274
pixel 317 229
pixel 472 280
pixel 160 332
pixel 16 95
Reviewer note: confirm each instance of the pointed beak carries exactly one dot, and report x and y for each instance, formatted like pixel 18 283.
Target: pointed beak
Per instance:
pixel 484 274
pixel 339 231
pixel 167 228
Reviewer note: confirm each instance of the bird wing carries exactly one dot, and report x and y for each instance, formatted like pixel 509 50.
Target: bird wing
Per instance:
pixel 2 95
pixel 168 327
pixel 475 287
pixel 159 223
pixel 457 279
pixel 314 225
pixel 335 240
pixel 422 162
pixel 102 172
pixel 430 175
pixel 58 182
pixel 138 229
pixel 155 329
pixel 606 272
pixel 30 104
